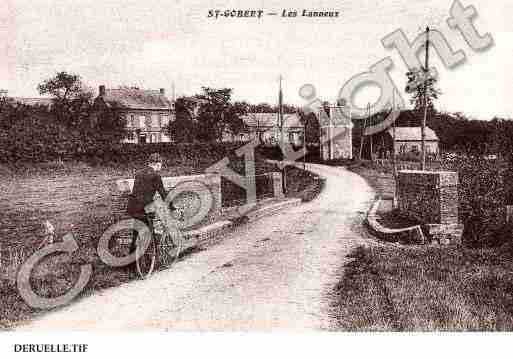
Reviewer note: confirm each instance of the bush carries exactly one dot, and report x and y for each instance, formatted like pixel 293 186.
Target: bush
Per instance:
pixel 409 156
pixel 481 199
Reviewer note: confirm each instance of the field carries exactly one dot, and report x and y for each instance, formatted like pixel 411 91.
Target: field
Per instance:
pixel 80 198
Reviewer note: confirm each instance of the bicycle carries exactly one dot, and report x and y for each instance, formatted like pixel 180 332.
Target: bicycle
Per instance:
pixel 161 252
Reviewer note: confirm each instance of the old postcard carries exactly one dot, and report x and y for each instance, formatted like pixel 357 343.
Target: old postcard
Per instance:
pixel 254 166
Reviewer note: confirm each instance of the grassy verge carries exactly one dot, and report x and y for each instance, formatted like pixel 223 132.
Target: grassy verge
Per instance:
pixel 423 288
pixel 380 179
pixel 428 288
pixel 303 184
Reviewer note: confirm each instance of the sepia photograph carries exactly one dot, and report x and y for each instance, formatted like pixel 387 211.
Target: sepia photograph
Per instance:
pixel 328 167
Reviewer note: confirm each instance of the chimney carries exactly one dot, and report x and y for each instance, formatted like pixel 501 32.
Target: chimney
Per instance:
pixel 162 91
pixel 102 90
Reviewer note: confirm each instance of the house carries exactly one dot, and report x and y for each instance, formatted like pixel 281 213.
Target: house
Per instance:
pixel 265 127
pixel 409 140
pixel 43 102
pixel 335 137
pixel 147 112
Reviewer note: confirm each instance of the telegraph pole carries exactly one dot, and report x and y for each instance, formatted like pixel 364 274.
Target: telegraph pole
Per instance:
pixel 423 129
pixel 362 138
pixel 370 137
pixel 304 144
pixel 394 158
pixel 280 113
pixel 282 143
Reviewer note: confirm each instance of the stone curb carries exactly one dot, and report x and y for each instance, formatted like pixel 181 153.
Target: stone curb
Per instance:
pixel 221 227
pixel 408 235
pixel 271 209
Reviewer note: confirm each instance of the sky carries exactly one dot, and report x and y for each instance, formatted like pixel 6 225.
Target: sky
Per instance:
pixel 155 44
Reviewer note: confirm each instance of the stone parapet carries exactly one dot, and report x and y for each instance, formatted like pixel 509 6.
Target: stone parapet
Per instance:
pixel 431 198
pixel 187 191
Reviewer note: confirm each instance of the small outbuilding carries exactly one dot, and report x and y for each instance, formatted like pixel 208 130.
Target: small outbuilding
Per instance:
pixel 409 139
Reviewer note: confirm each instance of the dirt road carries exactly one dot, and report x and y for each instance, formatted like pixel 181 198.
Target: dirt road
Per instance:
pixel 275 273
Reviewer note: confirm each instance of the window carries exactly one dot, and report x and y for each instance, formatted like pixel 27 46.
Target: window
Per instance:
pixel 155 120
pixel 142 121
pixel 131 136
pixel 132 121
pixel 164 120
pixel 147 121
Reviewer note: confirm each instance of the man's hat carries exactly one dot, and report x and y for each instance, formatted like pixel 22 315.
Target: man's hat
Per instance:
pixel 154 158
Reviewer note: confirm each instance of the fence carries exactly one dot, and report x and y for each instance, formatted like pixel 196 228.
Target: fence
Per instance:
pixel 388 165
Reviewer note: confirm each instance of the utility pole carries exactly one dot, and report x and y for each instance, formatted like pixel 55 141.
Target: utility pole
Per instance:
pixel 394 158
pixel 367 120
pixel 282 143
pixel 362 137
pixel 304 144
pixel 370 123
pixel 280 113
pixel 423 129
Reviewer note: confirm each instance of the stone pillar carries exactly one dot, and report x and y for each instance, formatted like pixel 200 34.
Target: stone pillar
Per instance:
pixel 509 214
pixel 431 198
pixel 278 185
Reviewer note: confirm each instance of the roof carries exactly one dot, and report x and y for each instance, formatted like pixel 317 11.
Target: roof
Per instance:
pixel 33 101
pixel 412 134
pixel 137 99
pixel 255 119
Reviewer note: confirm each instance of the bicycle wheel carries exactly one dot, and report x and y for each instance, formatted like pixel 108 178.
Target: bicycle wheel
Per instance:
pixel 145 262
pixel 168 250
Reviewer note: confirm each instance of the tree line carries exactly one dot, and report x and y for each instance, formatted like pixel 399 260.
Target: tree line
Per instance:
pixel 69 126
pixel 73 126
pixel 212 114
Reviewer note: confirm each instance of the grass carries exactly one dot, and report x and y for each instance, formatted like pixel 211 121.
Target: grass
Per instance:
pixel 395 288
pixel 380 179
pixel 303 184
pixel 423 288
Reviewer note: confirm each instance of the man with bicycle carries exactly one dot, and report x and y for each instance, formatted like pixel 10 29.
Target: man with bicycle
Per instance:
pixel 147 182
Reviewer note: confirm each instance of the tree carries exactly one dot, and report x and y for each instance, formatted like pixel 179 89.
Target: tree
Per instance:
pixel 417 83
pixel 311 126
pixel 108 131
pixel 184 128
pixel 217 114
pixel 267 108
pixel 72 99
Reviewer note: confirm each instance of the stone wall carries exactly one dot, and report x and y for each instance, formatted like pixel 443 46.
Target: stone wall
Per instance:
pixel 188 190
pixel 191 188
pixel 431 198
